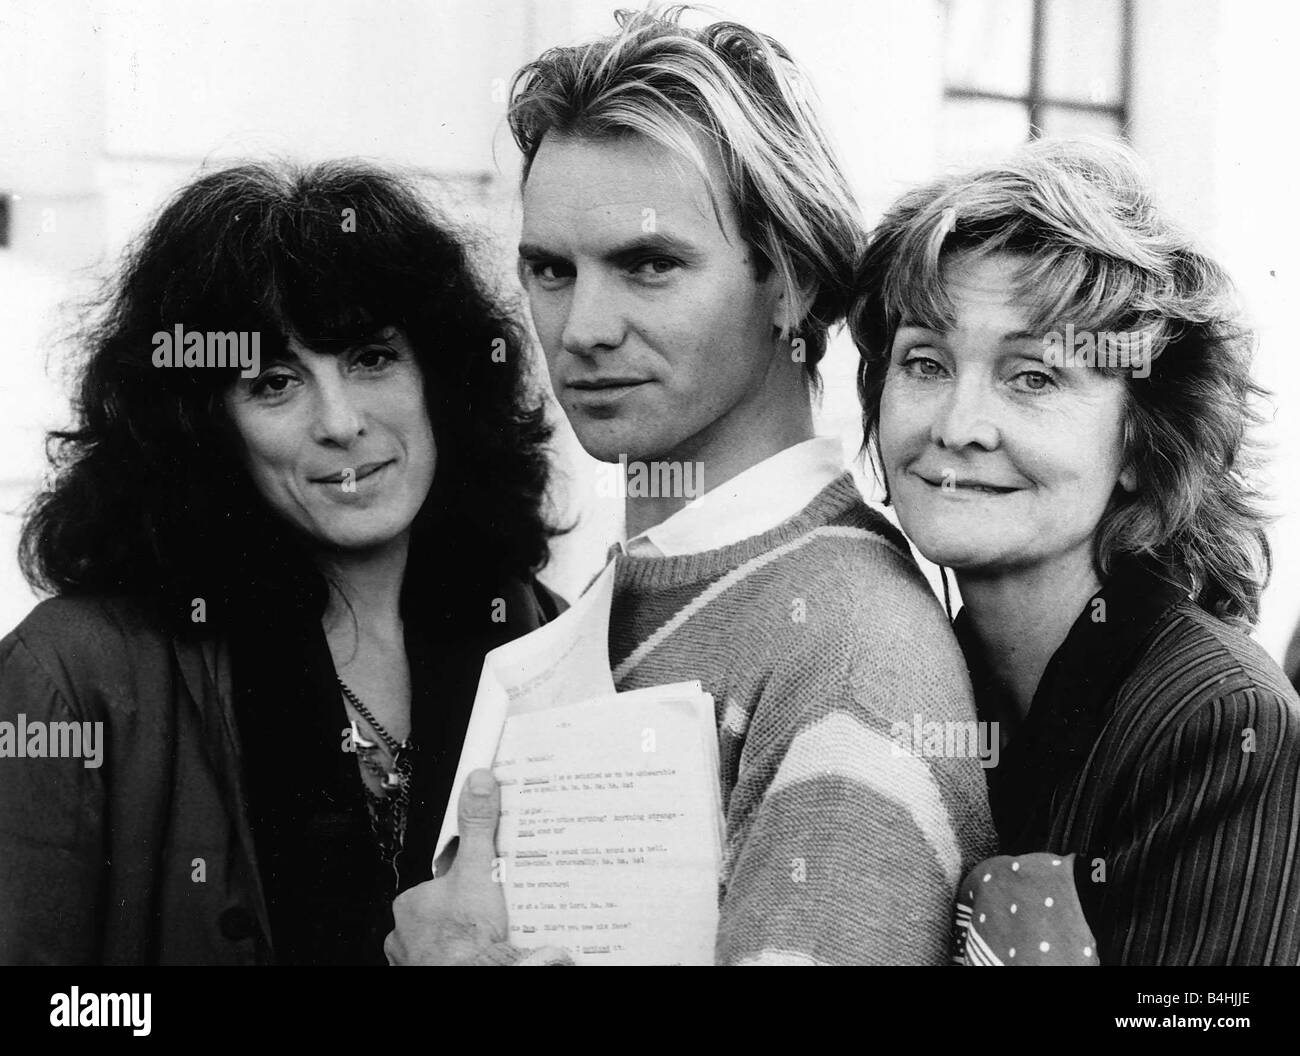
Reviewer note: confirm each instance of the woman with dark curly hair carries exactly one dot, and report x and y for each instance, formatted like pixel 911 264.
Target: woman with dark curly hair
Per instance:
pixel 303 497
pixel 1058 396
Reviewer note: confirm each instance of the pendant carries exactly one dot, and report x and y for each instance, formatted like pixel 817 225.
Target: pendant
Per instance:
pixel 357 740
pixel 394 780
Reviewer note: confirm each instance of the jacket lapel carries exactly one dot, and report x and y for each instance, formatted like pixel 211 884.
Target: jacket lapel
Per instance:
pixel 206 670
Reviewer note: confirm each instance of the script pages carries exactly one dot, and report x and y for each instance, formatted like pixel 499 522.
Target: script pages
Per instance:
pixel 611 825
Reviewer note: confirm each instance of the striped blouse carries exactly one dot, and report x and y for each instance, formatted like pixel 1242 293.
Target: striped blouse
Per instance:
pixel 1162 748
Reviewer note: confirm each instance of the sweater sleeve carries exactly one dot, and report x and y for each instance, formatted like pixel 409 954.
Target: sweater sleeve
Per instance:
pixel 1203 871
pixel 51 851
pixel 843 845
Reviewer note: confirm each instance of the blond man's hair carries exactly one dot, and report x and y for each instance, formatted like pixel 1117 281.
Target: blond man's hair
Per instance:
pixel 733 90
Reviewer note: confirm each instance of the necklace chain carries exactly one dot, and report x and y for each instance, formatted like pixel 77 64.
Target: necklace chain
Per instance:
pixel 394 748
pixel 387 811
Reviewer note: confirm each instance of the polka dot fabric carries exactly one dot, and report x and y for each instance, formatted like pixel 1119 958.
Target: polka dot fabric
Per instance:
pixel 1022 910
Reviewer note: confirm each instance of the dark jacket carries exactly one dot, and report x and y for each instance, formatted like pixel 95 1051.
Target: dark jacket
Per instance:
pixel 1162 747
pixel 149 857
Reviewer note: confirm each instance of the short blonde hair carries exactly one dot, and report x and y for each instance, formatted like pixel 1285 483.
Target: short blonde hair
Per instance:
pixel 1098 253
pixel 739 92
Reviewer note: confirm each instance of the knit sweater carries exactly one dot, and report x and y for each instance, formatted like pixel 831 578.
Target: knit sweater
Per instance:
pixel 818 639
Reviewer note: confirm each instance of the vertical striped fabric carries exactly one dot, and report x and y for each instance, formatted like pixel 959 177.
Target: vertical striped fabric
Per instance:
pixel 1163 749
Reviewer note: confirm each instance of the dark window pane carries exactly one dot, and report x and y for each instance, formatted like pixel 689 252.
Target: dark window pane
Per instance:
pixel 1083 50
pixel 1061 121
pixel 978 130
pixel 987 45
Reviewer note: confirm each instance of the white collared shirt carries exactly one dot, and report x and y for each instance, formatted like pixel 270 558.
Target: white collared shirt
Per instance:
pixel 759 499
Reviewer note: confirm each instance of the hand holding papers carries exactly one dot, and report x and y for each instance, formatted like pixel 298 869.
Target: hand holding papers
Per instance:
pixel 611 826
pixel 564 661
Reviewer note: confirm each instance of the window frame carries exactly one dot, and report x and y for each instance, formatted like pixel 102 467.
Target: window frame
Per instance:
pixel 1035 101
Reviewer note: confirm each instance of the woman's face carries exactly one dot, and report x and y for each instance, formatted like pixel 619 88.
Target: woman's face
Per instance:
pixel 341 446
pixel 995 460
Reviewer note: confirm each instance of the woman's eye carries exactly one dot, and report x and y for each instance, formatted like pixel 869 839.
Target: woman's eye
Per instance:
pixel 922 366
pixel 1035 380
pixel 376 358
pixel 270 384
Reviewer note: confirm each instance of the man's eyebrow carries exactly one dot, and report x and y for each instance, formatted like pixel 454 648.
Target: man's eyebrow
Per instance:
pixel 649 243
pixel 532 251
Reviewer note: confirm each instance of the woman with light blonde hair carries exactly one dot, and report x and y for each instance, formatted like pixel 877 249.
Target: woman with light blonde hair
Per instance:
pixel 1057 390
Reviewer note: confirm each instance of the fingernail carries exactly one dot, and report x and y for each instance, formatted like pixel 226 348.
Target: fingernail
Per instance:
pixel 480 783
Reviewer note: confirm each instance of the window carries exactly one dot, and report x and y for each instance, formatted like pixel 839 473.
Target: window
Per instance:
pixel 1017 69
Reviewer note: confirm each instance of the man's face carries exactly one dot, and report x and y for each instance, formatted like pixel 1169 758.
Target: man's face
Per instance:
pixel 659 337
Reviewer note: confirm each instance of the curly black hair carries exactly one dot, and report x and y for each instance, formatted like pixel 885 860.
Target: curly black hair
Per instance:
pixel 149 498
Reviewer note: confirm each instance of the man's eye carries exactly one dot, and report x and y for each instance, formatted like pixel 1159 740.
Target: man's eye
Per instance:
pixel 652 266
pixel 550 272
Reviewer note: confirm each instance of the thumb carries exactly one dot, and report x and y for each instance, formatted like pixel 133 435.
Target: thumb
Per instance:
pixel 477 814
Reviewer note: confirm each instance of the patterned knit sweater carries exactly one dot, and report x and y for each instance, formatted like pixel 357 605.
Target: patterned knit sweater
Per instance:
pixel 817 638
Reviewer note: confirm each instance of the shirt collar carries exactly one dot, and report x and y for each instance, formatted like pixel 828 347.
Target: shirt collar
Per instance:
pixel 759 499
